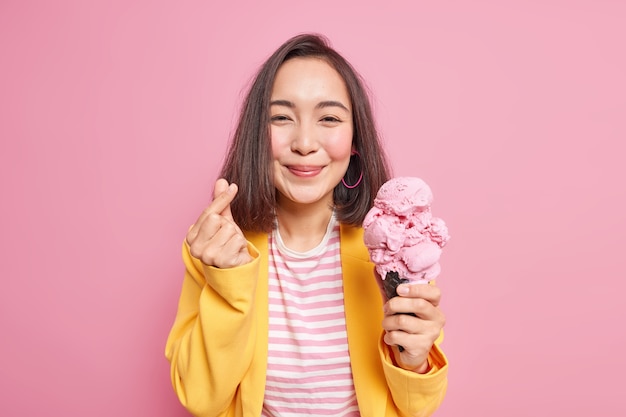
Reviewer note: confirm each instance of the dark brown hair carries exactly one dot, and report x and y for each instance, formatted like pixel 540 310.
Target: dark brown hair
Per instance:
pixel 248 160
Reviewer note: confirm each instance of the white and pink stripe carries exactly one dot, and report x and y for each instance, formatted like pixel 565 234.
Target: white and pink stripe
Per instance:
pixel 308 370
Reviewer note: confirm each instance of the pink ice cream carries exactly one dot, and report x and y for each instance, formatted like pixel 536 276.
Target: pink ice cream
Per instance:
pixel 401 234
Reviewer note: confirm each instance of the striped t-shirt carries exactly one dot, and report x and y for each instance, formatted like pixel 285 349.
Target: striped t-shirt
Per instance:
pixel 308 370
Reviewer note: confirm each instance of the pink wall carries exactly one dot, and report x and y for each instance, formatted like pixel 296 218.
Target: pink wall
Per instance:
pixel 114 116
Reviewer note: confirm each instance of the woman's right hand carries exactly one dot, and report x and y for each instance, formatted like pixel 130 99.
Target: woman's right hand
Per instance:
pixel 215 238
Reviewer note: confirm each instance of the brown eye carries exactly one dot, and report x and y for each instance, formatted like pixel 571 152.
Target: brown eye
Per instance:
pixel 280 118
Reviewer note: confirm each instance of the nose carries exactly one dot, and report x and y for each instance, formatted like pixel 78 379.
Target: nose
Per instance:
pixel 305 139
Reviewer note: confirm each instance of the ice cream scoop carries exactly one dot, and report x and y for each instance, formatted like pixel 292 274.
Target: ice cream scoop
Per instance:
pixel 403 238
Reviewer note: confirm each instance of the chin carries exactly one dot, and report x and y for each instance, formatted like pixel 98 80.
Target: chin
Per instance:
pixel 312 197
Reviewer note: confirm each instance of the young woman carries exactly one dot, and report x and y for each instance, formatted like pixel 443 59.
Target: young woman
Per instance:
pixel 280 312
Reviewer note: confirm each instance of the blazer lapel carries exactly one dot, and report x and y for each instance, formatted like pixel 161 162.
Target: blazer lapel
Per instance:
pixel 363 306
pixel 253 385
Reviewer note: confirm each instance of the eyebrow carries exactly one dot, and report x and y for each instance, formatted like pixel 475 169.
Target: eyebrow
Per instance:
pixel 320 105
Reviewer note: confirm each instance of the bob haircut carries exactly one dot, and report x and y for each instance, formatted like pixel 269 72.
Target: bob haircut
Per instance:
pixel 248 162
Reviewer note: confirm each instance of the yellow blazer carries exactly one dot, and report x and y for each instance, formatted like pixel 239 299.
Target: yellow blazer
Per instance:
pixel 218 343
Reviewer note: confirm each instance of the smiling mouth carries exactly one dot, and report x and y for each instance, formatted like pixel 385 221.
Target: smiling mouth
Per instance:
pixel 304 171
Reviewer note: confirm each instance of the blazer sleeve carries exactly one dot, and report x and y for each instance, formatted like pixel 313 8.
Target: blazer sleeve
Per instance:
pixel 210 345
pixel 416 395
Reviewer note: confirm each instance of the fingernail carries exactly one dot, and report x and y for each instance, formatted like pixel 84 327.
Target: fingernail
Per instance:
pixel 231 188
pixel 402 289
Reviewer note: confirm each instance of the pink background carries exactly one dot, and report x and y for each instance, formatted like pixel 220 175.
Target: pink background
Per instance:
pixel 114 118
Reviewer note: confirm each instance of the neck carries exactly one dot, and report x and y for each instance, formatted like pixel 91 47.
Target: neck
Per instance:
pixel 302 227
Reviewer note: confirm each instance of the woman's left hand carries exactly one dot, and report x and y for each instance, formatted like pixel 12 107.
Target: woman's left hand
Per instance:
pixel 416 334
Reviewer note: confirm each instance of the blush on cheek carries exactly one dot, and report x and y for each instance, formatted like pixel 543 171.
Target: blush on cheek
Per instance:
pixel 339 146
pixel 277 142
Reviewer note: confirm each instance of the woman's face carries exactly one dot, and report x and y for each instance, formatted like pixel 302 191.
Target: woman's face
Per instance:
pixel 311 131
